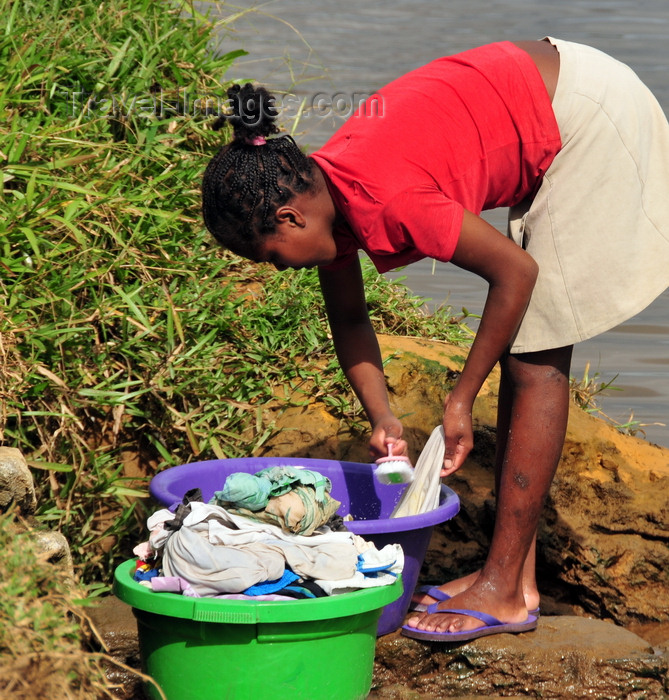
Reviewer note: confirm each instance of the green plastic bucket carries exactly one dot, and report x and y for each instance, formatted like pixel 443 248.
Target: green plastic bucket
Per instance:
pixel 216 649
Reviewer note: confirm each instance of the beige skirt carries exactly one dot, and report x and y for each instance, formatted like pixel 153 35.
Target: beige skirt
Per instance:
pixel 599 225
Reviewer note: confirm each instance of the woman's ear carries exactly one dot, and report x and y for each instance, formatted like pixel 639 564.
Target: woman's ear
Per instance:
pixel 291 216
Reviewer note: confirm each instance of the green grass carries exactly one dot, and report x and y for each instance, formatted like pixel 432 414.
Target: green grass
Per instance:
pixel 128 341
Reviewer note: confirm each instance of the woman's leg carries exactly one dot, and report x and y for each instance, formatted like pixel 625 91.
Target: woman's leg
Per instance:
pixel 532 421
pixel 504 413
pixel 452 588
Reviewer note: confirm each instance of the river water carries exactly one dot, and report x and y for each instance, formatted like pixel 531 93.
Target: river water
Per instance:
pixel 330 53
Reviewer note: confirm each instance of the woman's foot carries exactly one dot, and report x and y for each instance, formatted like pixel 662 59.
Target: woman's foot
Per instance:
pixel 420 600
pixel 476 598
pixel 451 589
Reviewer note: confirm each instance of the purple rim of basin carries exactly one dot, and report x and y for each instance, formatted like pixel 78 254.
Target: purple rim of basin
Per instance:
pixel 365 494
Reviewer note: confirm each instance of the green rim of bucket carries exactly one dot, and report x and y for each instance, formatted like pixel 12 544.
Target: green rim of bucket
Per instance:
pixel 249 611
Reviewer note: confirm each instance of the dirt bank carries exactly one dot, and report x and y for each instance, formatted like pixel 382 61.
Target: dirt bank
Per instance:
pixel 604 537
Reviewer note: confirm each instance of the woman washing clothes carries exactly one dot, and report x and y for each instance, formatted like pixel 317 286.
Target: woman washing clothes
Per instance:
pixel 577 147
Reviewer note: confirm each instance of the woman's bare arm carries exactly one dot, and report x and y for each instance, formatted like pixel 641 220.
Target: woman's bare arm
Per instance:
pixel 358 351
pixel 511 274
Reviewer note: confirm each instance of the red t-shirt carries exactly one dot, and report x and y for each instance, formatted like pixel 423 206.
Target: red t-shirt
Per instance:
pixel 471 131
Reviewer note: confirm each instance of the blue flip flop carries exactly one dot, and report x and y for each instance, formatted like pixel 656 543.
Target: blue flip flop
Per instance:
pixel 491 625
pixel 433 592
pixel 440 596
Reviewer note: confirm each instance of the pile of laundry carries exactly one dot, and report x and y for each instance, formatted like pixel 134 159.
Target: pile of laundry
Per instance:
pixel 273 535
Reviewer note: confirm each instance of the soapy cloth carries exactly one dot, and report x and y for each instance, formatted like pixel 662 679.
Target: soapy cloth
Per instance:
pixel 422 494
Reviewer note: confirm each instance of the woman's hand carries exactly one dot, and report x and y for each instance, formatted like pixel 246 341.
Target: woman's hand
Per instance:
pixel 458 434
pixel 387 430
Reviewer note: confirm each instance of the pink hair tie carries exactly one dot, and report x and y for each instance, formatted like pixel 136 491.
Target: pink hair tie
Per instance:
pixel 257 141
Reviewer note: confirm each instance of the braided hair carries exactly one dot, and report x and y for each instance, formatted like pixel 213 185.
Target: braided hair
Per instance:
pixel 248 179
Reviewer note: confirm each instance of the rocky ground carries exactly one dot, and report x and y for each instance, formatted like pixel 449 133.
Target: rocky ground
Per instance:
pixel 567 657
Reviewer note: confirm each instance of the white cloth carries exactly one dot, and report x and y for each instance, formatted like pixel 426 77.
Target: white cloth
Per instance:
pixel 214 569
pixel 375 568
pixel 422 494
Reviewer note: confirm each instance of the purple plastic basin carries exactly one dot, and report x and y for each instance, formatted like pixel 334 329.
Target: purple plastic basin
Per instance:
pixel 353 483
